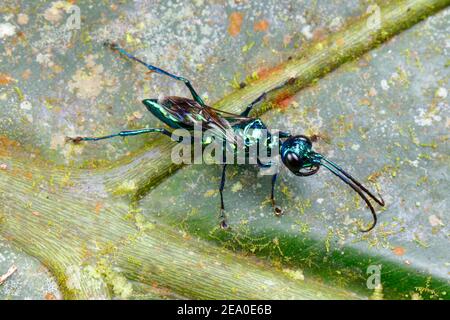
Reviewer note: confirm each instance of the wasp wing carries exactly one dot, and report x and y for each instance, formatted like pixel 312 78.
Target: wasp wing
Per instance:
pixel 191 114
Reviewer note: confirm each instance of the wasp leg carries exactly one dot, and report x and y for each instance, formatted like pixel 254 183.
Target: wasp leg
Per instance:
pixel 262 97
pixel 223 222
pixel 251 105
pixel 122 134
pixel 277 210
pixel 188 84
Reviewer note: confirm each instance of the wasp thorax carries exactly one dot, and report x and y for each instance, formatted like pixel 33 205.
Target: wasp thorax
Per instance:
pixel 297 155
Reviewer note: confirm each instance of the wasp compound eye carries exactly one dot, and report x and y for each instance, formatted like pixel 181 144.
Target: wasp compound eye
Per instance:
pixel 293 161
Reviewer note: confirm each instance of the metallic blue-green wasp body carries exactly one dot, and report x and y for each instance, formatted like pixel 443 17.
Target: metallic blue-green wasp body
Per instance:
pixel 295 150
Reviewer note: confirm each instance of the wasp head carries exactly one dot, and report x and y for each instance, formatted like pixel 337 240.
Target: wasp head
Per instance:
pixel 298 156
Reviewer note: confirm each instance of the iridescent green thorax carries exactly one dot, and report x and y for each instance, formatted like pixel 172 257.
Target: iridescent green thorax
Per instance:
pixel 255 132
pixel 252 137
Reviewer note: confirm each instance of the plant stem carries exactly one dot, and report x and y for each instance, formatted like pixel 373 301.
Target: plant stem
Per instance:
pixel 91 252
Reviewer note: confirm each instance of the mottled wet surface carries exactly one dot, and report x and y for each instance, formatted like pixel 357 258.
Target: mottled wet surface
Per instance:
pixel 30 281
pixel 383 117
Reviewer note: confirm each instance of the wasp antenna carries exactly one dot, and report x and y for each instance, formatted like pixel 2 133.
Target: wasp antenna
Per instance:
pixel 378 200
pixel 381 203
pixel 356 186
pixel 374 223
